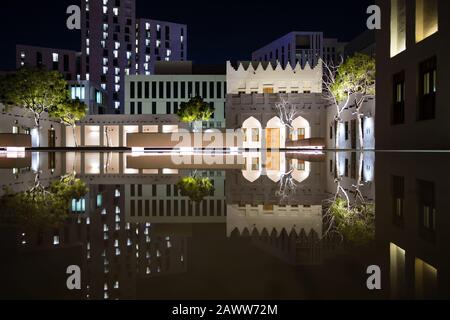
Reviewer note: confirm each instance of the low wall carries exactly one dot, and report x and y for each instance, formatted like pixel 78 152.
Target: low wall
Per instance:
pixel 306 143
pixel 10 140
pixel 204 140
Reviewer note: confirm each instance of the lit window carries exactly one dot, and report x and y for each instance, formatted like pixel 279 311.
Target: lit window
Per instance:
pixel 398 26
pixel 99 200
pixel 78 205
pixel 55 57
pixel 426 18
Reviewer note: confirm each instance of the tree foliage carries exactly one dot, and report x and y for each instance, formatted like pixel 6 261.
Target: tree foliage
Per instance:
pixel 69 112
pixel 195 110
pixel 356 223
pixel 196 189
pixel 34 89
pixel 356 75
pixel 42 207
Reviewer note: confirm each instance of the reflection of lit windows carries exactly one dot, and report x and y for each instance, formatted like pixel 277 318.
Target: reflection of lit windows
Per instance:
pixel 398 193
pixel 301 166
pixel 425 279
pixel 427 210
pixel 398 26
pixel 255 164
pixel 426 18
pixel 55 240
pixel 255 135
pixel 117 194
pixel 397 270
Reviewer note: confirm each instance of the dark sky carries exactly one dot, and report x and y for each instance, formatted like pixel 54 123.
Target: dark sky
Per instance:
pixel 217 30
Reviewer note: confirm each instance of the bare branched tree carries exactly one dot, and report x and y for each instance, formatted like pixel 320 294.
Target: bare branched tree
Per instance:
pixel 287 187
pixel 287 112
pixel 333 94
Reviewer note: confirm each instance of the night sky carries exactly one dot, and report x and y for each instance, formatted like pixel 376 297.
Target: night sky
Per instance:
pixel 217 30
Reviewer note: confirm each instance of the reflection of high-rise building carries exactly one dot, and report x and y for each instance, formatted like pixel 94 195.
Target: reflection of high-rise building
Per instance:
pixel 113 254
pixel 412 223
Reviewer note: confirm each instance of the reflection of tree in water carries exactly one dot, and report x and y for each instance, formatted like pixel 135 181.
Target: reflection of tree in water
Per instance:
pixel 195 188
pixel 348 215
pixel 287 187
pixel 42 206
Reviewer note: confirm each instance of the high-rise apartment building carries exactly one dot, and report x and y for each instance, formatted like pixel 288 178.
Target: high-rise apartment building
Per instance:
pixel 159 41
pixel 108 45
pixel 115 44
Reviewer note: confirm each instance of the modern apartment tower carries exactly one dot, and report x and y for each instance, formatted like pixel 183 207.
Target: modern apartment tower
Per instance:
pixel 300 47
pixel 115 44
pixel 159 41
pixel 108 45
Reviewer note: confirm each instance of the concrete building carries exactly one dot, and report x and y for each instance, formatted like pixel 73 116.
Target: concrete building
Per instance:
pixel 300 47
pixel 412 214
pixel 253 90
pixel 67 62
pixel 174 83
pixel 412 71
pixel 115 44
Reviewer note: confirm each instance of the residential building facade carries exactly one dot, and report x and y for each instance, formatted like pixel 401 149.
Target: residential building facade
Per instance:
pixel 412 69
pixel 115 44
pixel 67 62
pixel 159 41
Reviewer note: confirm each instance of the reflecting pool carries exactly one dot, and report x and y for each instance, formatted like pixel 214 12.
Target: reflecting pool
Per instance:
pixel 255 225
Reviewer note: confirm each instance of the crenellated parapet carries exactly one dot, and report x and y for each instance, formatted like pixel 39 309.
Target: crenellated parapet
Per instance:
pixel 266 77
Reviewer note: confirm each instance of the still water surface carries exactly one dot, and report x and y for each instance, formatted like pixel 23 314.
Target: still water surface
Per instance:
pixel 242 226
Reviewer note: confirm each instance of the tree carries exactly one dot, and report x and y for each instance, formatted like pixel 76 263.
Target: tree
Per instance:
pixel 195 110
pixel 287 112
pixel 355 79
pixel 195 188
pixel 348 214
pixel 35 89
pixel 43 207
pixel 335 95
pixel 69 113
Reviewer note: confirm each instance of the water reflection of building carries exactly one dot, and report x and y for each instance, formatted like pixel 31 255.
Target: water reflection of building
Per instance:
pixel 277 201
pixel 163 203
pixel 113 253
pixel 412 223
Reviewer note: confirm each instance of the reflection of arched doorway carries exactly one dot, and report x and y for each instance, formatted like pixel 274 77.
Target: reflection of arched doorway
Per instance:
pixel 252 133
pixel 300 129
pixel 275 134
